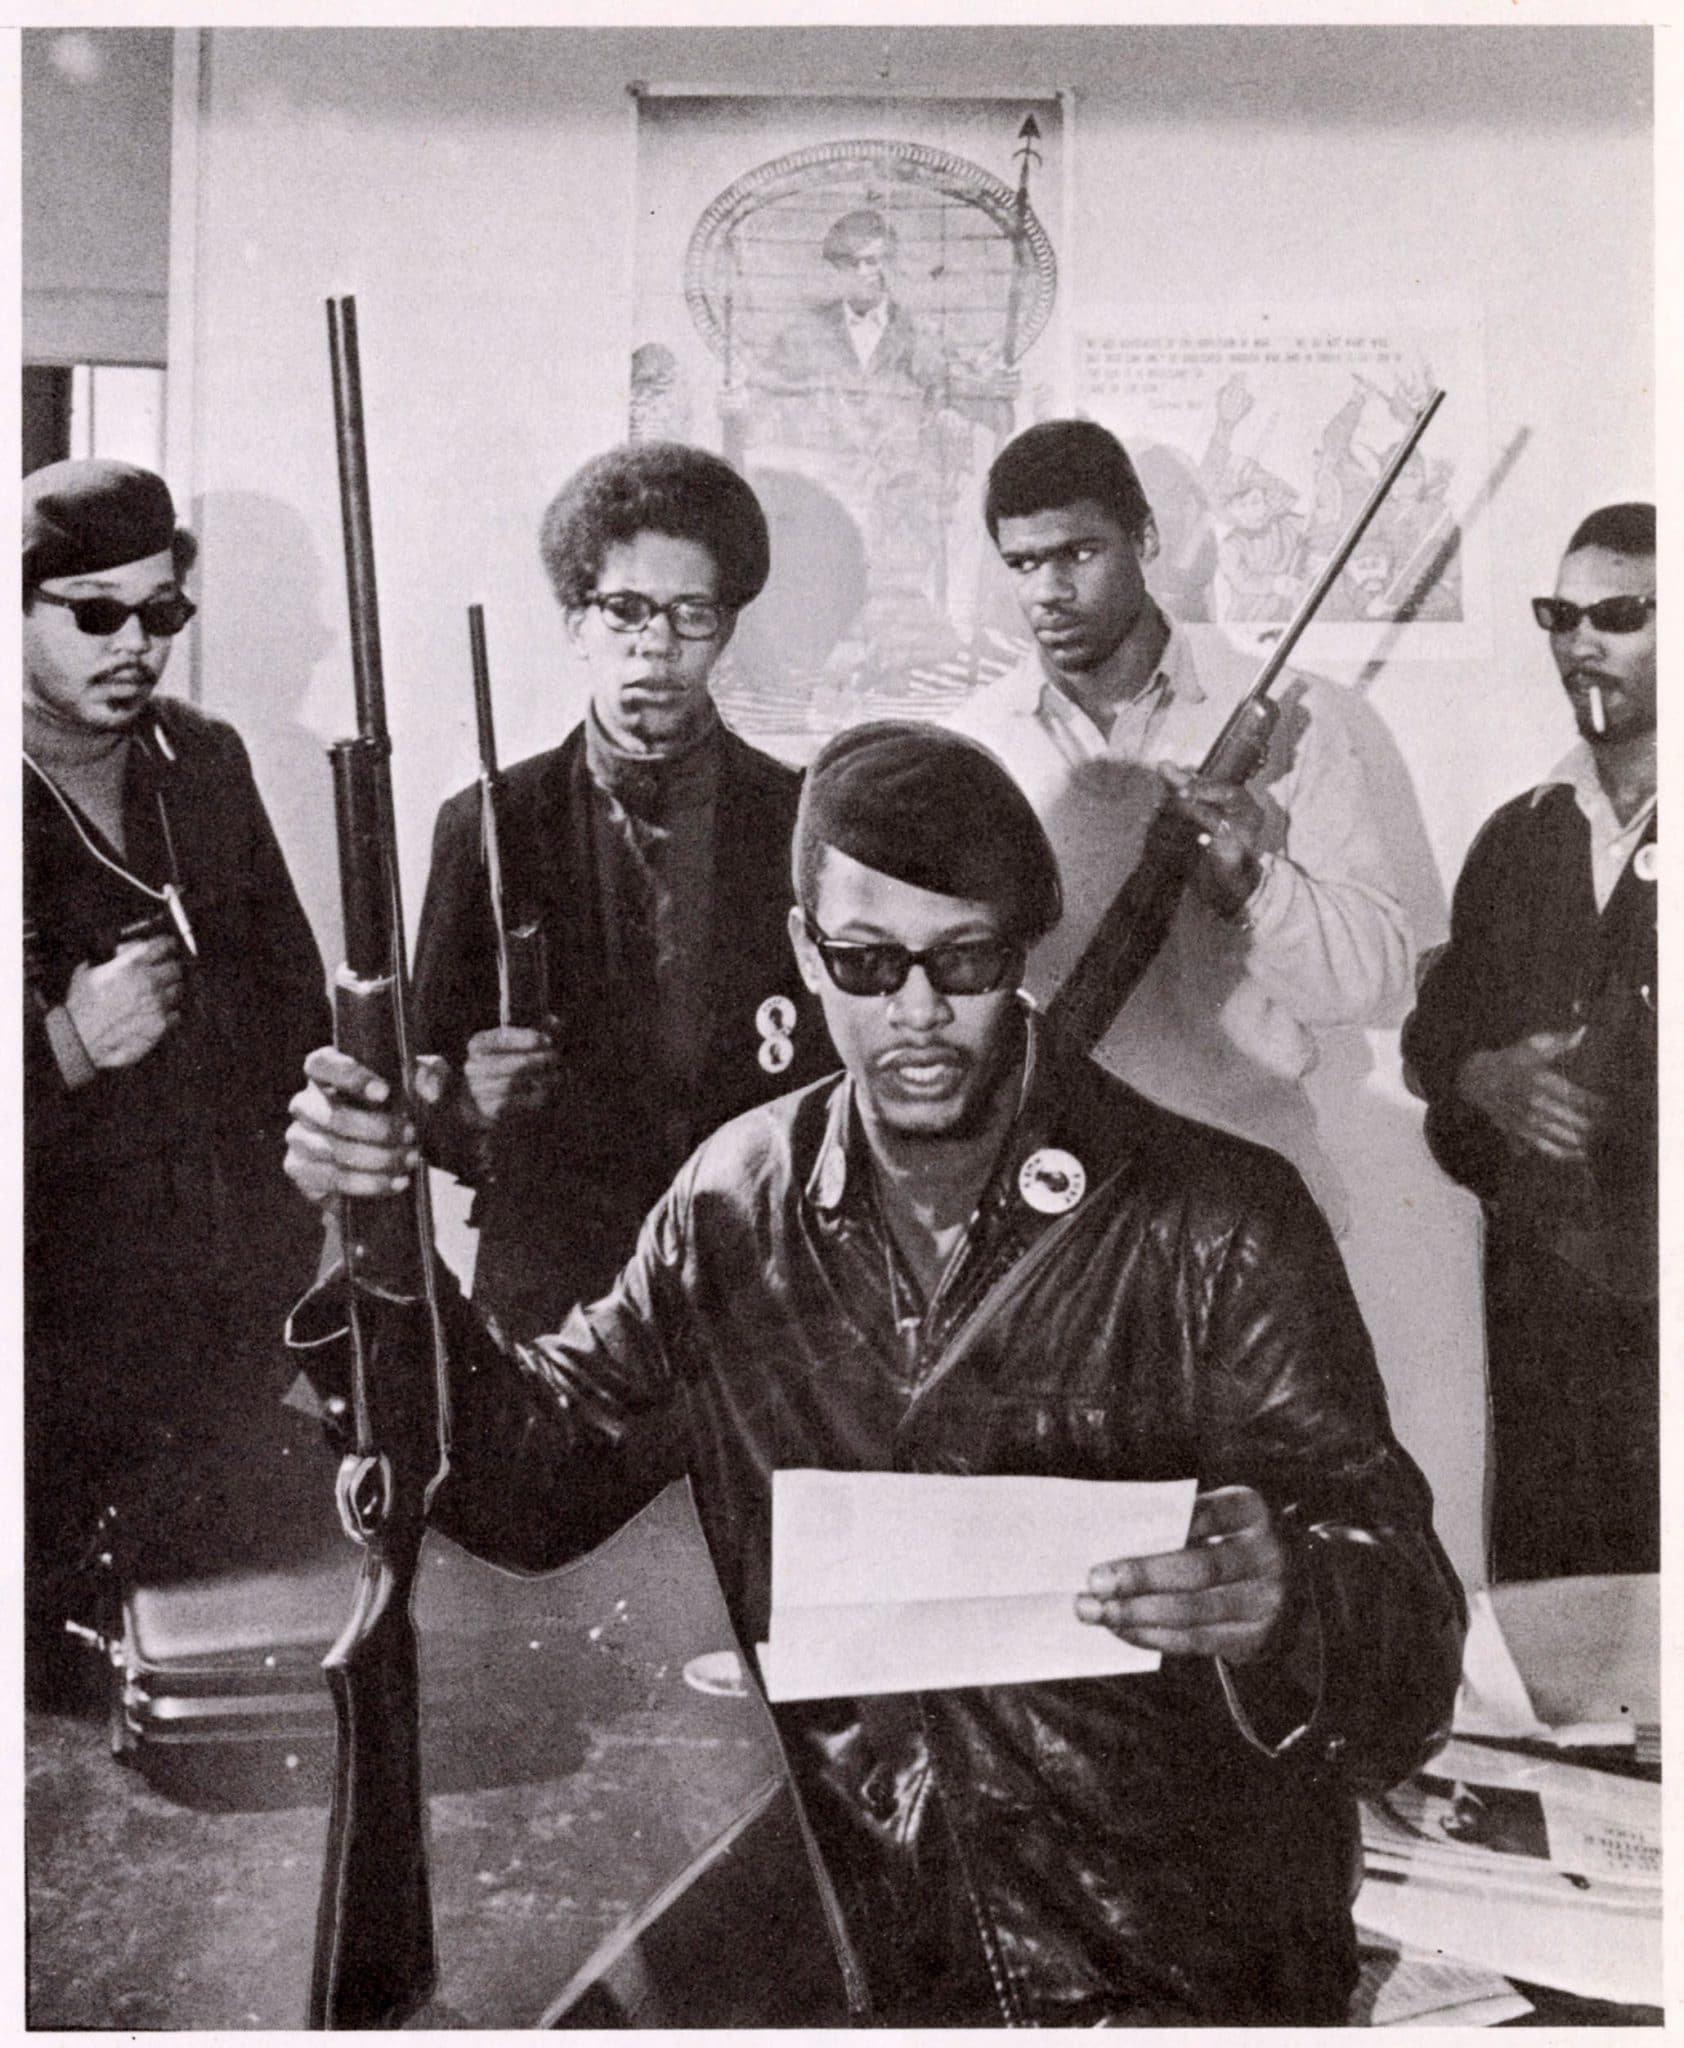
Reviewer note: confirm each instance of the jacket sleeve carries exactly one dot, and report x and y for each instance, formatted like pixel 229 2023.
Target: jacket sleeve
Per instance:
pixel 1296 1409
pixel 454 982
pixel 1329 939
pixel 1457 1012
pixel 544 1461
pixel 455 975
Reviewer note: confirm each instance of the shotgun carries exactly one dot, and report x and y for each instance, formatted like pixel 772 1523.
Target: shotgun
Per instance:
pixel 374 1957
pixel 1134 927
pixel 522 967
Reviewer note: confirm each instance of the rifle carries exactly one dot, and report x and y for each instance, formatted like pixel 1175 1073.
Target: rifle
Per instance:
pixel 374 1958
pixel 522 967
pixel 1135 926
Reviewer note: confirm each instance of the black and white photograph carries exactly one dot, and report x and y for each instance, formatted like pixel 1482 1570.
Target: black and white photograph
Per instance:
pixel 840 1146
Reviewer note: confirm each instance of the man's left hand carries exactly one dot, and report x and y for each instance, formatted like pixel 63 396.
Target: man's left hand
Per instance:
pixel 1230 822
pixel 1220 1597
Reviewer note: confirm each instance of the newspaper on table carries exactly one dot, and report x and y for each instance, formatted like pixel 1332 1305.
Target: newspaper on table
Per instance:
pixel 1406 1987
pixel 1541 1869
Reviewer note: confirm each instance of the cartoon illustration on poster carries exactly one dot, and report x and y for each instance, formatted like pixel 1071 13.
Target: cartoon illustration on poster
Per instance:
pixel 1258 440
pixel 853 301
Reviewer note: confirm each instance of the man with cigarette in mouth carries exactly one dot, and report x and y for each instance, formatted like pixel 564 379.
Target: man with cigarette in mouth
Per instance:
pixel 1534 1044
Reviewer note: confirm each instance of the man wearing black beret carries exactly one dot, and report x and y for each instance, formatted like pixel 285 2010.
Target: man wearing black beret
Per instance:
pixel 977 1253
pixel 172 985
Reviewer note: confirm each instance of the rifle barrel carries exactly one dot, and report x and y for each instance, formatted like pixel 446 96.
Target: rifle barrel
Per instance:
pixel 1313 598
pixel 482 691
pixel 356 518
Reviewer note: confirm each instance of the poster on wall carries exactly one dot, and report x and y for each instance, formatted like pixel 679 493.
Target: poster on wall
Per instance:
pixel 1259 435
pixel 857 302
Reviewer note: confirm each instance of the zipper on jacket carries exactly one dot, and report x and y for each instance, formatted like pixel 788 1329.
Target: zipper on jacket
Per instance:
pixel 1009 2013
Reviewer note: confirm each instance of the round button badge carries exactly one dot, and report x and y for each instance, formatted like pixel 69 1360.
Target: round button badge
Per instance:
pixel 775 1020
pixel 1051 1181
pixel 775 1017
pixel 1646 862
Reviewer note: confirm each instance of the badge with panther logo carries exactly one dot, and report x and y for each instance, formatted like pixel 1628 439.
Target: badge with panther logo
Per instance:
pixel 1052 1181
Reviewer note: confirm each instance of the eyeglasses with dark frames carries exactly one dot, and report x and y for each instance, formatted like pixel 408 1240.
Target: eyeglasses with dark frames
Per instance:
pixel 879 967
pixel 1607 615
pixel 161 618
pixel 629 611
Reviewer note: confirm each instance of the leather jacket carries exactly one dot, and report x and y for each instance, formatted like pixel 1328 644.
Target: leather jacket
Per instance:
pixel 1175 1846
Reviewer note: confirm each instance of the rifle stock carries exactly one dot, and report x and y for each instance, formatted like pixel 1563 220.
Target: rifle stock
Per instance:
pixel 374 1961
pixel 1137 921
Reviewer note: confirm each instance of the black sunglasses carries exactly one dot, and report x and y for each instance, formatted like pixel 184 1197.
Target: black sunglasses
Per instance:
pixel 629 611
pixel 1607 615
pixel 161 618
pixel 963 967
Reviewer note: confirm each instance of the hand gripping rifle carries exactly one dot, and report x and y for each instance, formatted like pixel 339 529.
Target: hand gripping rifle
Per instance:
pixel 522 977
pixel 1130 933
pixel 374 1959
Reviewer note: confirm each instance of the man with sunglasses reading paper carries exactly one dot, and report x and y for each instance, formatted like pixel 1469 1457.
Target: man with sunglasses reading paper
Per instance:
pixel 1534 1043
pixel 975 1252
pixel 171 986
pixel 649 850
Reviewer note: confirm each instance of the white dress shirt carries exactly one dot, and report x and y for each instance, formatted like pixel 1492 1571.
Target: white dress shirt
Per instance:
pixel 1611 843
pixel 1222 1026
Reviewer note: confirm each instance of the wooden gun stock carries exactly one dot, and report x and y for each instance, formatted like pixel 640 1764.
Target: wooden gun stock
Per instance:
pixel 374 1959
pixel 1137 922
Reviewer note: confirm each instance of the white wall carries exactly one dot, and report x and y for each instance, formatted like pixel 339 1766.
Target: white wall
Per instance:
pixel 95 120
pixel 474 189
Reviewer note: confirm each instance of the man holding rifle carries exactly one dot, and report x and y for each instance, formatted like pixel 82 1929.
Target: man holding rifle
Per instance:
pixel 1290 924
pixel 976 1252
pixel 648 848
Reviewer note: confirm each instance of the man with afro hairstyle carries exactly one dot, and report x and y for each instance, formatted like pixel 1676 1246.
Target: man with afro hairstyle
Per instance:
pixel 650 846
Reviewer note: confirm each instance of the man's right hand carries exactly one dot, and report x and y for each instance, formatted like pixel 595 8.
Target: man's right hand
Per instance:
pixel 510 1072
pixel 122 1007
pixel 346 1137
pixel 1536 1107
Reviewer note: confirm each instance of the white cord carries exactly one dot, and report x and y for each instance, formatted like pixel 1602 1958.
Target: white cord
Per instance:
pixel 169 895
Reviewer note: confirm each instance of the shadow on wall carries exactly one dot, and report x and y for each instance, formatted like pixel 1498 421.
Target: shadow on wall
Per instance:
pixel 267 546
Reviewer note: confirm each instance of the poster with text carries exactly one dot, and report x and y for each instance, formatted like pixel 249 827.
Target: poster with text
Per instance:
pixel 856 302
pixel 1259 436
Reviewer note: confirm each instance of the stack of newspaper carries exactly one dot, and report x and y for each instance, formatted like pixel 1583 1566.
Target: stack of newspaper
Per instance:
pixel 1515 1860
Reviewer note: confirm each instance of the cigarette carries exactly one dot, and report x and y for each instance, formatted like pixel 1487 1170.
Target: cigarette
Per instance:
pixel 1598 715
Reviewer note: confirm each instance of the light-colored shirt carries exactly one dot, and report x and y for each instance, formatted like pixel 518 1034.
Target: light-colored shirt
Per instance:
pixel 1223 1024
pixel 865 330
pixel 1611 843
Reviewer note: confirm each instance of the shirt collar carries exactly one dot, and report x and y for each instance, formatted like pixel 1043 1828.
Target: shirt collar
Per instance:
pixel 1576 770
pixel 1029 689
pixel 669 778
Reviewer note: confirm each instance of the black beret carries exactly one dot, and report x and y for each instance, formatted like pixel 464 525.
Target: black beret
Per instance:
pixel 81 517
pixel 932 808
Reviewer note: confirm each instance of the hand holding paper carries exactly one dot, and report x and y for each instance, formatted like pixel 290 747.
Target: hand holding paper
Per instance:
pixel 903 1582
pixel 1219 1597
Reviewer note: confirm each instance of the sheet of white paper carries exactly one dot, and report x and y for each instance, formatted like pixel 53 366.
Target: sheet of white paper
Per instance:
pixel 1405 1987
pixel 903 1581
pixel 1493 1699
pixel 1612 1955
